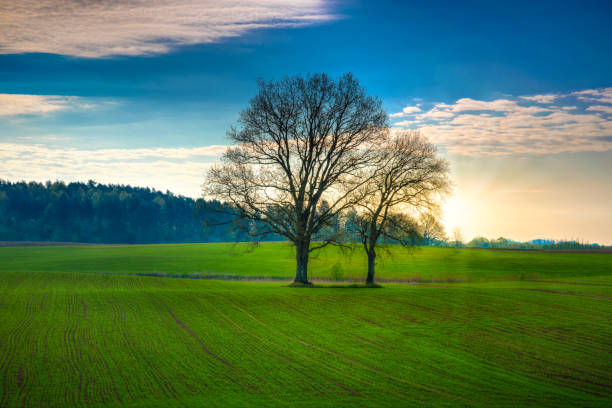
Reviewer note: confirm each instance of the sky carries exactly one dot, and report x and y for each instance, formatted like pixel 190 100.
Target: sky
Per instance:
pixel 516 95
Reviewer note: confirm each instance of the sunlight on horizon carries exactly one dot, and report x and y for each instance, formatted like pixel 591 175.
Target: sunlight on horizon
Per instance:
pixel 454 212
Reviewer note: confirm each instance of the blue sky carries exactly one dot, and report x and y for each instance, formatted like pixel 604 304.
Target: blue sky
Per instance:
pixel 489 82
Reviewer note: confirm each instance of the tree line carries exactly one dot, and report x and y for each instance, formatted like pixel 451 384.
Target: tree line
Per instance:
pixel 99 213
pixel 121 214
pixel 544 244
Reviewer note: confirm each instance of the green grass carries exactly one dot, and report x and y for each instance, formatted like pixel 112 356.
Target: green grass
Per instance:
pixel 278 260
pixel 110 339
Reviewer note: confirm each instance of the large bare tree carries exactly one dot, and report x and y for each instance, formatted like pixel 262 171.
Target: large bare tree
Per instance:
pixel 299 144
pixel 406 179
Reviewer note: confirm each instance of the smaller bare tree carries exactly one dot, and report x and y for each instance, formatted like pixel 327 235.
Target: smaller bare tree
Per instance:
pixel 457 237
pixel 431 229
pixel 406 178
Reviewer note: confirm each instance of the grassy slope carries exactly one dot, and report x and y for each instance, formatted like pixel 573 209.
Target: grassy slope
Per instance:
pixel 277 260
pixel 111 340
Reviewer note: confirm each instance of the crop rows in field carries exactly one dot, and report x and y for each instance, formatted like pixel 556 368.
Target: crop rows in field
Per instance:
pixel 70 339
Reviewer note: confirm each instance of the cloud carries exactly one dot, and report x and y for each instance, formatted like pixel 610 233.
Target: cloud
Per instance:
pixel 600 108
pixel 408 110
pixel 546 98
pixel 438 112
pixel 17 104
pixel 406 123
pixel 520 125
pixel 498 105
pixel 180 170
pixel 135 27
pixel 468 104
pixel 603 95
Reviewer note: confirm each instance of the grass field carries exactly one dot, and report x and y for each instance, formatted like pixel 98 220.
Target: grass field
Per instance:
pixel 277 260
pixel 110 339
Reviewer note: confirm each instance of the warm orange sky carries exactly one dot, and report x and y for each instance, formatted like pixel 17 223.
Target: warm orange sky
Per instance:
pixel 565 196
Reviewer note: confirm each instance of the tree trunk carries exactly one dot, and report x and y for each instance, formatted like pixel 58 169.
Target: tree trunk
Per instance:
pixel 371 266
pixel 301 256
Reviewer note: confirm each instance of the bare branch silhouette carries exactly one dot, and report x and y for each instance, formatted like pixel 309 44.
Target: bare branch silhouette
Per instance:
pixel 300 147
pixel 406 178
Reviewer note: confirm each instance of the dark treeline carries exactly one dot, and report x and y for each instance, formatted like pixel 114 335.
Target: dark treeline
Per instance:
pixel 99 213
pixel 544 244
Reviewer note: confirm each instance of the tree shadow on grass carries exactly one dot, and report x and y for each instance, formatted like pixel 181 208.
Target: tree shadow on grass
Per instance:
pixel 334 286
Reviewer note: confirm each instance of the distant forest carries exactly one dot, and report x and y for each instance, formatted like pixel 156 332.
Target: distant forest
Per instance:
pixel 98 213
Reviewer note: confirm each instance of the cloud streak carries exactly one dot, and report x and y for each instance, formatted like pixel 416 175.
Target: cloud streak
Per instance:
pixel 180 170
pixel 579 121
pixel 102 28
pixel 18 104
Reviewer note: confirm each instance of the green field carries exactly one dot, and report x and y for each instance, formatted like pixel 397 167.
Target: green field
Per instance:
pixel 277 260
pixel 78 328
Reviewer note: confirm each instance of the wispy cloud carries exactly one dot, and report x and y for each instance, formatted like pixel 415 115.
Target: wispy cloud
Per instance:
pixel 595 95
pixel 180 170
pixel 600 108
pixel 580 121
pixel 17 104
pixel 135 27
pixel 546 98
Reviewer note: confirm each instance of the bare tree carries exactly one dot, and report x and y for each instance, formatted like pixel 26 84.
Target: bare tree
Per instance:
pixel 430 228
pixel 298 142
pixel 407 177
pixel 457 237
